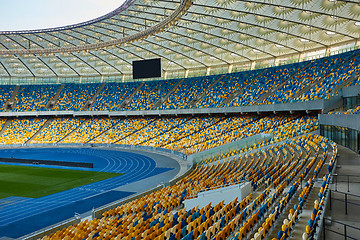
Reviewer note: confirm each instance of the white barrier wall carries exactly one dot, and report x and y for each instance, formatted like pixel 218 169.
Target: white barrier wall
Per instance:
pixel 215 196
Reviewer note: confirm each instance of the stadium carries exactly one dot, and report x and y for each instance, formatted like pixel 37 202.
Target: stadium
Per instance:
pixel 184 119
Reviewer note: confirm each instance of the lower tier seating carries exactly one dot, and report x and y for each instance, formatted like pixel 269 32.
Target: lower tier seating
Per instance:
pixel 275 173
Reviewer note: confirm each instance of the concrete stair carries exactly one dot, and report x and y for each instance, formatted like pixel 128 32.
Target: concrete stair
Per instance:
pixel 130 98
pixel 11 103
pixel 73 130
pixel 51 103
pixel 199 97
pixel 39 131
pixel 6 124
pixel 163 99
pixel 240 91
pixel 89 103
pixel 271 91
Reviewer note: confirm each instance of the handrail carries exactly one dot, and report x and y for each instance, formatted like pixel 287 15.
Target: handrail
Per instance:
pixel 336 176
pixel 345 226
pixel 350 194
pixel 345 200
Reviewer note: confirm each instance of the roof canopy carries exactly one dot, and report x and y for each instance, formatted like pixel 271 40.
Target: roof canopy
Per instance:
pixel 198 35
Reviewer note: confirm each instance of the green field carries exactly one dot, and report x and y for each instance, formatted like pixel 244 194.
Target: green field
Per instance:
pixel 36 182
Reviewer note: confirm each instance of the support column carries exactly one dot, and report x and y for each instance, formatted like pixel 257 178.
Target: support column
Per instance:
pixel 327 51
pixel 252 65
pixel 276 61
pixel 186 73
pixel 357 43
pixel 208 71
pixel 301 57
pixel 230 68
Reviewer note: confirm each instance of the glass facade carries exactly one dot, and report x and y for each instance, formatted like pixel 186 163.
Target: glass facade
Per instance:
pixel 351 102
pixel 343 136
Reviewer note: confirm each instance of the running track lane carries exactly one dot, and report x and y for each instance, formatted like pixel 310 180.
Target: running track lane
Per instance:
pixel 135 166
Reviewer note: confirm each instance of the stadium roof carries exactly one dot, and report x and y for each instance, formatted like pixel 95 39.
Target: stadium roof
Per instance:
pixel 204 36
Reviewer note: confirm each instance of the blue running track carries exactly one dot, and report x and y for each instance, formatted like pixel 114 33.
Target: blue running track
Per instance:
pixel 21 216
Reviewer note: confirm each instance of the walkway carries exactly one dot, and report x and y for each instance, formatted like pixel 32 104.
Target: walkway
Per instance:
pixel 348 163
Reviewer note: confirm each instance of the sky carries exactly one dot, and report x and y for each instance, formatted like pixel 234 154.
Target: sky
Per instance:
pixel 39 14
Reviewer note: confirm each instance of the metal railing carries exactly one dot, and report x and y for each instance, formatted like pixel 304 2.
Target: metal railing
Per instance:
pixel 346 200
pixel 345 178
pixel 349 232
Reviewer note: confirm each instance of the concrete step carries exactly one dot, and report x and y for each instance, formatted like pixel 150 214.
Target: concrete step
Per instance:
pixel 52 102
pixel 40 130
pixel 163 99
pixel 199 97
pixel 89 103
pixel 11 103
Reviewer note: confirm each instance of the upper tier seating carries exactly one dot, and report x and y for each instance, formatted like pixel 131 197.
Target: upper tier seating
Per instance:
pixel 338 69
pixel 270 79
pixel 113 94
pixel 146 97
pixel 5 95
pixel 34 97
pixel 229 84
pixel 74 96
pixel 305 81
pixel 188 90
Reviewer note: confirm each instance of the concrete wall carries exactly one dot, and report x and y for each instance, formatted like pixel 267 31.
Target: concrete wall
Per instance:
pixel 215 196
pixel 351 91
pixel 342 120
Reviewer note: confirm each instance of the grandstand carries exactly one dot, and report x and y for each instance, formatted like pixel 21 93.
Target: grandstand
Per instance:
pixel 257 96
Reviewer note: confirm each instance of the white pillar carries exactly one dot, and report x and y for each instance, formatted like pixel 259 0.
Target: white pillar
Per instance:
pixel 230 68
pixel 276 61
pixel 252 65
pixel 327 51
pixel 208 71
pixel 357 42
pixel 301 57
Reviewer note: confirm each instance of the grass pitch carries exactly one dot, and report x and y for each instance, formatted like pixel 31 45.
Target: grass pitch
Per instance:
pixel 37 182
